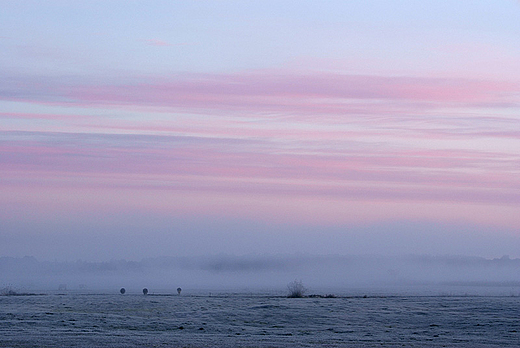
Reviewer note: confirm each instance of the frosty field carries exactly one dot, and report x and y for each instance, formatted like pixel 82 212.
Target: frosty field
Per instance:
pixel 253 320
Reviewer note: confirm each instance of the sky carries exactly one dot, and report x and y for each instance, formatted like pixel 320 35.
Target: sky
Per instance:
pixel 133 129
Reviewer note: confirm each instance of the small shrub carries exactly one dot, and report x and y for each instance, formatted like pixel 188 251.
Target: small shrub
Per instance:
pixel 296 289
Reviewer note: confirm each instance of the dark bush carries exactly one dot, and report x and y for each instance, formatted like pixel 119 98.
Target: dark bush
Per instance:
pixel 296 289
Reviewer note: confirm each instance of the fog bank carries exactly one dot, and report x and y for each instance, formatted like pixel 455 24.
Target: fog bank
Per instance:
pixel 339 274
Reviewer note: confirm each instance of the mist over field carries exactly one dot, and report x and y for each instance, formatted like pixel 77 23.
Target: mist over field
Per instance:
pixel 433 275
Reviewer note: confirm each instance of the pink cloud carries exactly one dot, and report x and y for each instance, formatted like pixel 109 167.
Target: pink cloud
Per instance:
pixel 322 93
pixel 156 42
pixel 214 165
pixel 325 93
pixel 268 136
pixel 161 43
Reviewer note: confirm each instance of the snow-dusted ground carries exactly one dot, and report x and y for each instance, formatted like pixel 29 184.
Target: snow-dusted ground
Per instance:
pixel 243 320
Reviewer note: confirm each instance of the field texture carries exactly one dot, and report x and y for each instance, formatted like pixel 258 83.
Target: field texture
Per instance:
pixel 239 320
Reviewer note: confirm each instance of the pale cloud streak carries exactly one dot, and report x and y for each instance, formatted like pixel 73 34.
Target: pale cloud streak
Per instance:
pixel 258 167
pixel 265 90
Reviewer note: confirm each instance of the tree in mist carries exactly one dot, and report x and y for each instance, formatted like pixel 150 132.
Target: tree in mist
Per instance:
pixel 122 291
pixel 296 289
pixel 145 291
pixel 179 291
